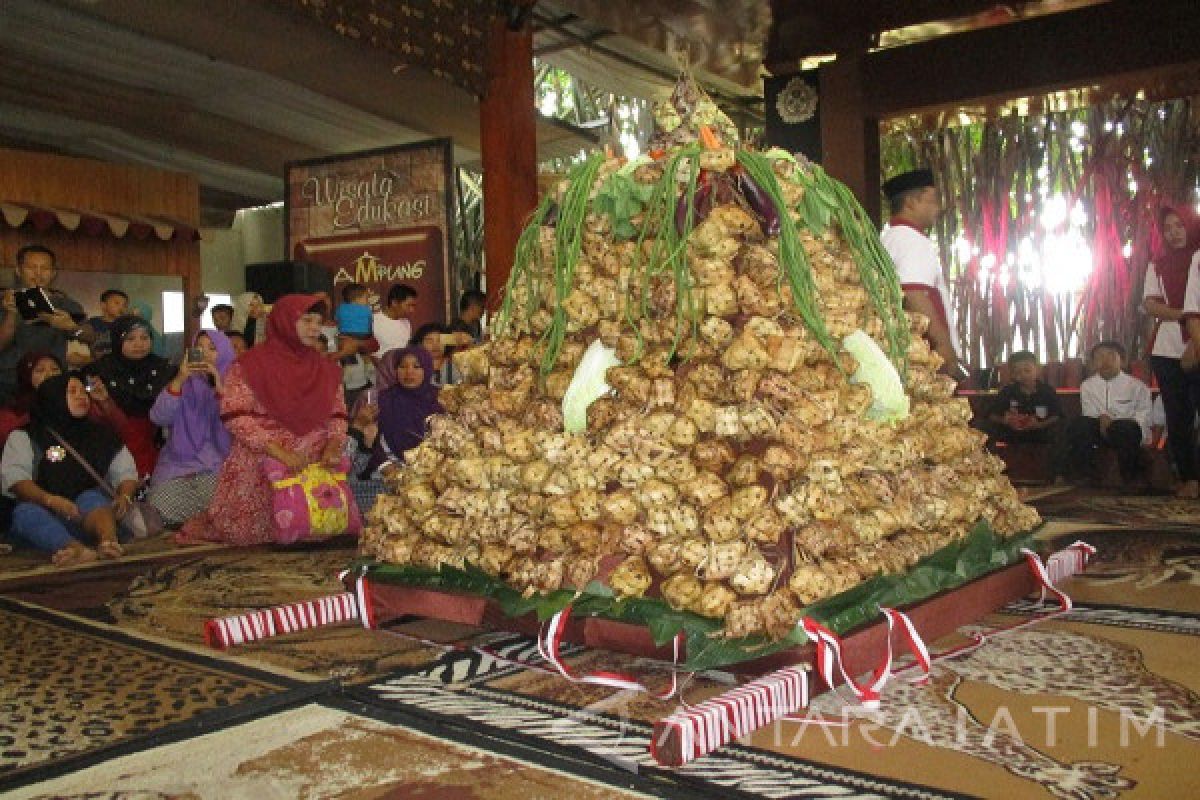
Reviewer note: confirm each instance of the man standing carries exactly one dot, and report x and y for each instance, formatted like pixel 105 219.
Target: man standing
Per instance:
pixel 113 304
pixel 392 326
pixel 470 316
pixel 913 199
pixel 36 267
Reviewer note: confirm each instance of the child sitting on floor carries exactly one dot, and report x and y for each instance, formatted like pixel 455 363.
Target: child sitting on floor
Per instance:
pixel 1027 409
pixel 1116 414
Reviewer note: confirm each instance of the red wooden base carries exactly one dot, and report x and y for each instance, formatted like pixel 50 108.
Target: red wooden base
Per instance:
pixel 934 618
pixel 861 649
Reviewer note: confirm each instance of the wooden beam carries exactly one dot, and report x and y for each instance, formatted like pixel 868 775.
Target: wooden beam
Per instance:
pixel 1072 49
pixel 849 136
pixel 508 134
pixel 805 28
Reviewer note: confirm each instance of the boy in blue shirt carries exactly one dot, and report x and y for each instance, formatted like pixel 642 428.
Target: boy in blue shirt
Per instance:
pixel 353 316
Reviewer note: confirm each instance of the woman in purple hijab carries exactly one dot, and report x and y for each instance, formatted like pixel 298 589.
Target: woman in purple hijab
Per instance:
pixel 382 432
pixel 198 443
pixel 405 406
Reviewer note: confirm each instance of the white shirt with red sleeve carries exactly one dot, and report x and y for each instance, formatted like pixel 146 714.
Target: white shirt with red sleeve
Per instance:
pixel 919 267
pixel 1191 296
pixel 1168 334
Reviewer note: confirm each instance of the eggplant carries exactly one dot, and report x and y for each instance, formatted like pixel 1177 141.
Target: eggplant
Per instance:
pixel 702 204
pixel 760 203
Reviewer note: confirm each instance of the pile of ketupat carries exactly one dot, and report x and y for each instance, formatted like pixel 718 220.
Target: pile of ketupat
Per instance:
pixel 691 394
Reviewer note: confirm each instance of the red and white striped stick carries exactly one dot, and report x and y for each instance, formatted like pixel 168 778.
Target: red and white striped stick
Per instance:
pixel 226 632
pixel 702 728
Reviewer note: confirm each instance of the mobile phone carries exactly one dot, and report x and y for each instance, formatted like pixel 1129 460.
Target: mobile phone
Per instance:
pixel 195 355
pixel 32 303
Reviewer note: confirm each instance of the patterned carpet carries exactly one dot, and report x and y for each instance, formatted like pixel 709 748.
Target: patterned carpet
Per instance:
pixel 70 689
pixel 1138 511
pixel 315 752
pixel 978 728
pixel 1100 703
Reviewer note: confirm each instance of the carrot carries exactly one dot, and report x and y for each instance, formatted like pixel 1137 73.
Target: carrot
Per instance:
pixel 709 139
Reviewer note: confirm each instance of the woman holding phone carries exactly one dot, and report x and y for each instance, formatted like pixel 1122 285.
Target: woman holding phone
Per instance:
pixel 281 399
pixel 198 443
pixel 133 377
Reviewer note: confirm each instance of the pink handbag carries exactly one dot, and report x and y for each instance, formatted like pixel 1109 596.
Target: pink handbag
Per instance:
pixel 314 503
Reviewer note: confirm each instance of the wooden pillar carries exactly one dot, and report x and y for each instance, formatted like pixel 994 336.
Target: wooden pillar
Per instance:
pixel 509 144
pixel 849 138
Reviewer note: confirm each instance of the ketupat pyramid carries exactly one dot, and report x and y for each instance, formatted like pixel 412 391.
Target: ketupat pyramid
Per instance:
pixel 743 466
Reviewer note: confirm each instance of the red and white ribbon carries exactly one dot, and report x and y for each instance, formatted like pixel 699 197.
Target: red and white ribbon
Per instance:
pixel 704 727
pixel 252 626
pixel 1069 561
pixel 829 655
pixel 550 641
pixel 1057 568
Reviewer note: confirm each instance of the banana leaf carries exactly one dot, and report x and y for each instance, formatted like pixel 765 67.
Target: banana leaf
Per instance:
pixel 980 552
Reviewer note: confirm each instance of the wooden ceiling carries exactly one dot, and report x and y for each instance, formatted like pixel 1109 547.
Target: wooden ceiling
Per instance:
pixel 812 28
pixel 228 90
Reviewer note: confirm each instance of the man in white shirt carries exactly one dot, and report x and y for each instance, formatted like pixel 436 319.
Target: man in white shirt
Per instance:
pixel 392 326
pixel 1116 414
pixel 915 208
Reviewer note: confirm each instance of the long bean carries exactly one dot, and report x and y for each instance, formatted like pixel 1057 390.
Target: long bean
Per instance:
pixel 793 261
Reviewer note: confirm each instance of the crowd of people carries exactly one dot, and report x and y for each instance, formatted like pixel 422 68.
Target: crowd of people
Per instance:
pixel 1118 411
pixel 93 416
pixel 87 434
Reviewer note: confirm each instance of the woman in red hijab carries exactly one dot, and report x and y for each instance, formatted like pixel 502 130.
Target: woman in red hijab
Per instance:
pixel 281 399
pixel 1163 296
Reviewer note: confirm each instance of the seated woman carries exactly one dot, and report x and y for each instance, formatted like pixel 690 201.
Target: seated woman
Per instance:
pixel 382 434
pixel 158 343
pixel 405 406
pixel 133 377
pixel 32 369
pixel 198 443
pixel 282 399
pixel 60 505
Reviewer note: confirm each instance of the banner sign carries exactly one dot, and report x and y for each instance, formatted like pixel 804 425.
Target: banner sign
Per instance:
pixel 378 218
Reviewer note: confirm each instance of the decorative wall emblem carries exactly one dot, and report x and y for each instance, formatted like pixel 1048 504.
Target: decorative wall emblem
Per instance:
pixel 797 102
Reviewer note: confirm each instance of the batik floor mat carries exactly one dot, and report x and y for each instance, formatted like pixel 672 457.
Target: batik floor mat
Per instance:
pixel 71 690
pixel 1098 703
pixel 313 752
pixel 1138 511
pixel 172 596
pixel 25 561
pixel 174 601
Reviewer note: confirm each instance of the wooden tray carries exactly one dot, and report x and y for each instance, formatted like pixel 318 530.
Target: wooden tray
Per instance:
pixel 934 617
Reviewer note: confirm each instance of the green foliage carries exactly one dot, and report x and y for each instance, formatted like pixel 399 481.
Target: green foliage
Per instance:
pixel 621 198
pixel 981 552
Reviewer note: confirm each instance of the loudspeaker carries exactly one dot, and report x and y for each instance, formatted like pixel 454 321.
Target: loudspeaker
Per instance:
pixel 273 279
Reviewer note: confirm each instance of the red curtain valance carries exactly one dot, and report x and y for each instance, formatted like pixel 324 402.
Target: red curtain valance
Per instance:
pixel 96 223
